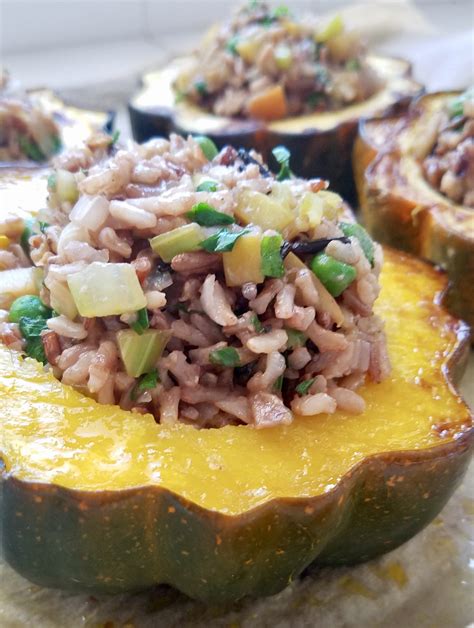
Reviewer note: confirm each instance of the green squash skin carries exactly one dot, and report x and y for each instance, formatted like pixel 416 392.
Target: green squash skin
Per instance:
pixel 128 540
pixel 111 542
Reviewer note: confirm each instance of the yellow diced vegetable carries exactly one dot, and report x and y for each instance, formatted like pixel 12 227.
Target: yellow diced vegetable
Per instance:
pixel 281 192
pixel 283 57
pixel 333 204
pixel 333 28
pixel 248 49
pixel 243 263
pixel 310 210
pixel 264 211
pixel 106 290
pixel 17 282
pixel 4 242
pixel 61 300
pixel 66 186
pixel 181 240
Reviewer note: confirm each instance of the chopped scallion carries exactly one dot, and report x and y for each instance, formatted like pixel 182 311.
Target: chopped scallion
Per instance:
pixel 227 356
pixel 206 216
pixel 304 386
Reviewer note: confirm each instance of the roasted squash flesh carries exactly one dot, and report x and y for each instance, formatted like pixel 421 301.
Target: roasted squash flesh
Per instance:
pixel 71 441
pixel 399 206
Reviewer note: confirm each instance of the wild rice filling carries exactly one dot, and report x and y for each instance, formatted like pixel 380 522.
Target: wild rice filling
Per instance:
pixel 450 165
pixel 195 285
pixel 26 132
pixel 266 63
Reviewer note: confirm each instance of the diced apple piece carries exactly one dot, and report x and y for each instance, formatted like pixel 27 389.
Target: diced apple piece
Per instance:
pixel 243 263
pixel 106 290
pixel 17 282
pixel 264 211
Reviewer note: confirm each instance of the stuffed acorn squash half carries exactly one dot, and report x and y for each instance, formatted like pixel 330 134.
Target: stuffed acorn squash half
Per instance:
pixel 199 382
pixel 37 125
pixel 266 78
pixel 415 181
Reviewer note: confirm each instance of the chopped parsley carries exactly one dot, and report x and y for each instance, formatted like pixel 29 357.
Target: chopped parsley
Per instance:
pixel 147 381
pixel 271 260
pixel 222 241
pixel 227 356
pixel 142 321
pixel 206 216
pixel 282 155
pixel 304 386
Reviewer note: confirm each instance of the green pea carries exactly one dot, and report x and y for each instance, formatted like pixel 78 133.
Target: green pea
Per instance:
pixel 334 275
pixel 365 241
pixel 29 306
pixel 207 146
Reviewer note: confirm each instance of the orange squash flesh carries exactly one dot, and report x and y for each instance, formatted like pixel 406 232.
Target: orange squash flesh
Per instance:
pixel 269 105
pixel 99 499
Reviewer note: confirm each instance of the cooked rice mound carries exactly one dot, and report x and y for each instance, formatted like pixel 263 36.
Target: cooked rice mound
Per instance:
pixel 450 165
pixel 180 285
pixel 266 63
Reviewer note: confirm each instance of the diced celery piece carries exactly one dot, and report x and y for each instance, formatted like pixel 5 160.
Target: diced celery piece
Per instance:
pixel 62 301
pixel 243 263
pixel 18 282
pixel 333 28
pixel 181 240
pixel 264 211
pixel 106 289
pixel 141 352
pixel 66 186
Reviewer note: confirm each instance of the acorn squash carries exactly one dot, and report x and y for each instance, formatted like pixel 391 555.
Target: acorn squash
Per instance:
pixel 400 208
pixel 75 124
pixel 100 499
pixel 320 143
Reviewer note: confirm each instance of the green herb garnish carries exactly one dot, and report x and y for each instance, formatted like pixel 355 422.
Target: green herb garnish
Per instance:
pixel 206 216
pixel 148 381
pixel 201 87
pixel 227 356
pixel 222 241
pixel 295 338
pixel 31 329
pixel 456 106
pixel 353 65
pixel 278 383
pixel 257 325
pixel 282 155
pixel 231 45
pixel 271 260
pixel 52 182
pixel 207 186
pixel 304 386
pixel 114 137
pixel 30 148
pixel 142 321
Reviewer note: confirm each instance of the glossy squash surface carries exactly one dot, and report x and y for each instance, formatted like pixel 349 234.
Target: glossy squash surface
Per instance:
pixel 96 498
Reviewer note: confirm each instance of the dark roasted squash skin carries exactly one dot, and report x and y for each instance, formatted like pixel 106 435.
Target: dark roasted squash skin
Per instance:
pixel 317 149
pixel 122 540
pixel 400 215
